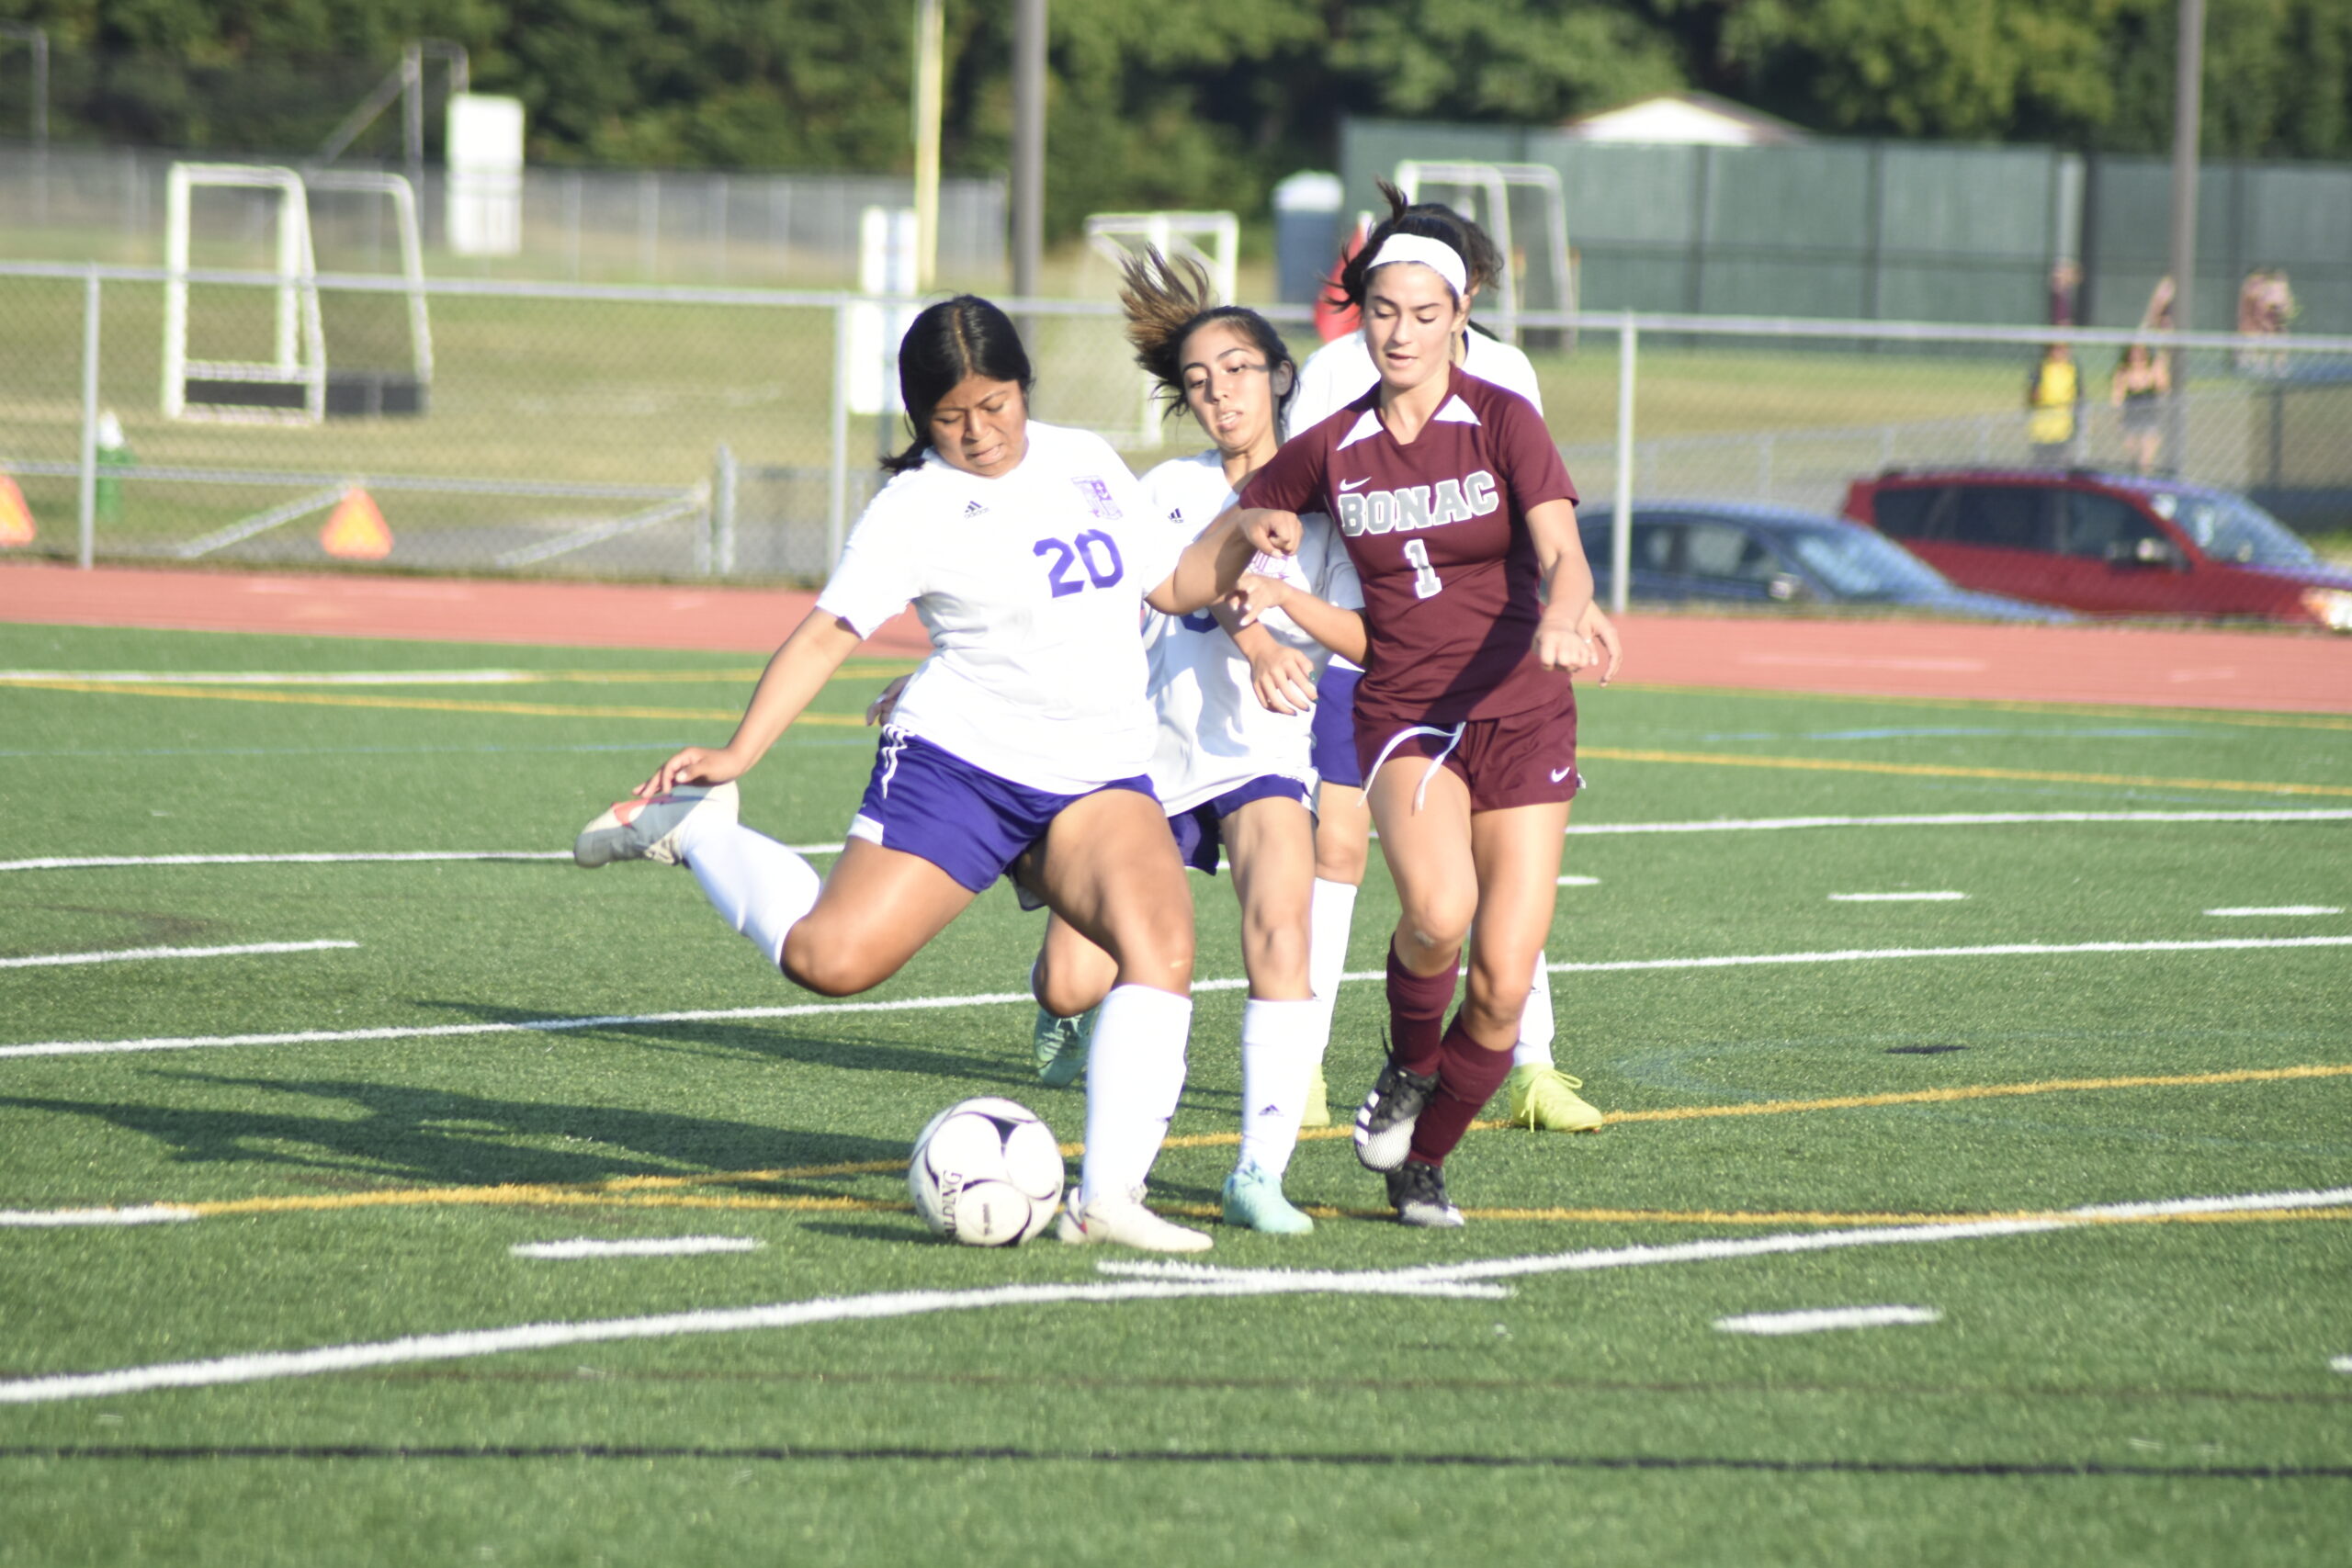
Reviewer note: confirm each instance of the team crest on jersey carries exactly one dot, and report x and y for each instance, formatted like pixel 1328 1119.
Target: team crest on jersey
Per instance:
pixel 1098 498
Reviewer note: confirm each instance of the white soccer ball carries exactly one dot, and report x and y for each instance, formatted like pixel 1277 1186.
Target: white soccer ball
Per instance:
pixel 986 1173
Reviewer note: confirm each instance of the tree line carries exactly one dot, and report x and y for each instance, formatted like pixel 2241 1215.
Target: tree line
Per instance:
pixel 1181 103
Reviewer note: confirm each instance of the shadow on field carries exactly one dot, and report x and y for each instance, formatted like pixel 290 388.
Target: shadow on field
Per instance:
pixel 437 1136
pixel 996 1060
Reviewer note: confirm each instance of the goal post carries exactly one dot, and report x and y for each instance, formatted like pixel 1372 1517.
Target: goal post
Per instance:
pixel 1526 247
pixel 387 391
pixel 291 385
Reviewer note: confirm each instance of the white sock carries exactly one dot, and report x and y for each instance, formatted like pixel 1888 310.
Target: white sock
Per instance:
pixel 1536 1025
pixel 1278 1054
pixel 1330 912
pixel 760 887
pixel 1135 1070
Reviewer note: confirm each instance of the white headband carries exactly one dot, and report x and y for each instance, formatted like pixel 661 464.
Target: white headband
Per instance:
pixel 1435 255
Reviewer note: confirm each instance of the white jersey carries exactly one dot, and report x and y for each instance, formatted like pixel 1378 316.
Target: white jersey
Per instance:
pixel 1342 371
pixel 1214 735
pixel 1029 584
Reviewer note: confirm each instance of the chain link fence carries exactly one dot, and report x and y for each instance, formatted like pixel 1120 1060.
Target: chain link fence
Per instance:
pixel 622 431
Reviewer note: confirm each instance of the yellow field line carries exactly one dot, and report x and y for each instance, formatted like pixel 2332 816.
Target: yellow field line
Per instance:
pixel 1999 704
pixel 855 721
pixel 665 1191
pixel 1939 771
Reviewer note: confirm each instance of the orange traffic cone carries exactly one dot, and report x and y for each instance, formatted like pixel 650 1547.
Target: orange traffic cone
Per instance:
pixel 356 529
pixel 16 517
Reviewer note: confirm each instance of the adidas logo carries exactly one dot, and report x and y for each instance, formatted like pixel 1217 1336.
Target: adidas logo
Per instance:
pixel 974 509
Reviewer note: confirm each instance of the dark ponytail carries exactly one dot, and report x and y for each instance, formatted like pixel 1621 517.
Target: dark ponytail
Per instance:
pixel 949 343
pixel 1482 262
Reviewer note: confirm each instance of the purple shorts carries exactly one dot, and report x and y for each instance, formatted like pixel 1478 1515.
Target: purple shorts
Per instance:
pixel 969 823
pixel 1334 727
pixel 1200 832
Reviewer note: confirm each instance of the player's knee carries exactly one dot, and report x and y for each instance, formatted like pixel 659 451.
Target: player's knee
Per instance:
pixel 827 965
pixel 1499 990
pixel 1438 923
pixel 1066 993
pixel 1340 862
pixel 1155 946
pixel 1275 950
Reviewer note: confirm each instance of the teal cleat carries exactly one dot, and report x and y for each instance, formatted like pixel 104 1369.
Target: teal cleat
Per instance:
pixel 1062 1044
pixel 1254 1200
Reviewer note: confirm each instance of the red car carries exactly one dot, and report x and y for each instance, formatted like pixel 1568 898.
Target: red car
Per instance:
pixel 2106 543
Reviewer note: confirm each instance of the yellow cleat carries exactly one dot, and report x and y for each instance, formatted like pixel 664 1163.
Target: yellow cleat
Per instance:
pixel 1544 1099
pixel 1317 1111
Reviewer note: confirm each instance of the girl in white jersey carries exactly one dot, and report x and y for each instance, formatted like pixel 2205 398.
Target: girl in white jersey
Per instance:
pixel 1230 771
pixel 1540 1096
pixel 1028 550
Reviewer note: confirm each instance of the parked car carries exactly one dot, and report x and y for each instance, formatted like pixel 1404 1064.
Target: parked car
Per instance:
pixel 1739 553
pixel 2106 543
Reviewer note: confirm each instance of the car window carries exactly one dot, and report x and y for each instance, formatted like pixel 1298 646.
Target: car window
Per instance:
pixel 1909 513
pixel 1726 549
pixel 2009 517
pixel 1657 546
pixel 2230 528
pixel 2101 527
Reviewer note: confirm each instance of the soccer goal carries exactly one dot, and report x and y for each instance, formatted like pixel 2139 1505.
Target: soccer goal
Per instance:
pixel 1212 239
pixel 294 383
pixel 1523 206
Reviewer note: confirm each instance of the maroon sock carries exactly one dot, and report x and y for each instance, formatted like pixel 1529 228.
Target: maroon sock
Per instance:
pixel 1416 1005
pixel 1467 1077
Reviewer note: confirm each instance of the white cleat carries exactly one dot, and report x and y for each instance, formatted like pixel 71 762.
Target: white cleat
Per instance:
pixel 650 829
pixel 1125 1221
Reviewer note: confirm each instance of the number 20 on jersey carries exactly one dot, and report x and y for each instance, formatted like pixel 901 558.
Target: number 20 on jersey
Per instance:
pixel 1093 552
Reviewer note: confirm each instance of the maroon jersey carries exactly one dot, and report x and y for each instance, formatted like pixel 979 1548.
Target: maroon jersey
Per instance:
pixel 1438 533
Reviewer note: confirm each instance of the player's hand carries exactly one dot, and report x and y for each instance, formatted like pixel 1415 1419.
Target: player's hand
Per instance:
pixel 880 710
pixel 1275 533
pixel 1600 630
pixel 695 765
pixel 1559 647
pixel 1254 594
pixel 1283 679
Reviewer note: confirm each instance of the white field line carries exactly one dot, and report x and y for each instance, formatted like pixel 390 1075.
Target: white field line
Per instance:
pixel 1941 897
pixel 2280 909
pixel 1006 999
pixel 85 862
pixel 250 678
pixel 46 1219
pixel 1824 1318
pixel 1145 1281
pixel 126 954
pixel 1723 825
pixel 2341 1364
pixel 636 1247
pixel 1580 882
pixel 263 1366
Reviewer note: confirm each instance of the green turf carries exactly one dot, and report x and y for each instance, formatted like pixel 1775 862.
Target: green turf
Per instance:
pixel 2120 1394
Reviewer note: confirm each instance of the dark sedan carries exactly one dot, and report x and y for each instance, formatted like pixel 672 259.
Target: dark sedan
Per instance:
pixel 1733 552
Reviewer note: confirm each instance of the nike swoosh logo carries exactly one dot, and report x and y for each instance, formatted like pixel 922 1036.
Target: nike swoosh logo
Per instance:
pixel 1560 773
pixel 1346 485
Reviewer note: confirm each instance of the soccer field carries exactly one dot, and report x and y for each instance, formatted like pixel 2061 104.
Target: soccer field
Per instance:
pixel 2007 1042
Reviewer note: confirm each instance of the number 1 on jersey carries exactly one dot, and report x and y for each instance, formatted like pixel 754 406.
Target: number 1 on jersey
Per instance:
pixel 1426 582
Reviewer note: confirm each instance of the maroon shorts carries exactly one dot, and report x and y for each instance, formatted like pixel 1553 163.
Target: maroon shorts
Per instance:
pixel 1519 759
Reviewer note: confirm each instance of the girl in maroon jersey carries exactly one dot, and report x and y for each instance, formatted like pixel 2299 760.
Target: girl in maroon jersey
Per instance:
pixel 1461 519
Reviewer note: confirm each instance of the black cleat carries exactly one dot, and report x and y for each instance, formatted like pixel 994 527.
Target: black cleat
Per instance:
pixel 1385 1122
pixel 1417 1193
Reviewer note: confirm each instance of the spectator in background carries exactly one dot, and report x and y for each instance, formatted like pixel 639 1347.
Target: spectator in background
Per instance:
pixel 2265 304
pixel 2066 280
pixel 2052 397
pixel 2157 317
pixel 2138 387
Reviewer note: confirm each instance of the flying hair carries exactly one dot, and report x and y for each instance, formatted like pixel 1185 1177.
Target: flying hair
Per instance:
pixel 1482 262
pixel 1166 302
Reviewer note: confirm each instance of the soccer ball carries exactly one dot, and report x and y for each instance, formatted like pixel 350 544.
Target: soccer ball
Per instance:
pixel 986 1173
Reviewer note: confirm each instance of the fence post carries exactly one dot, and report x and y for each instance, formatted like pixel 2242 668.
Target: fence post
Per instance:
pixel 837 493
pixel 1620 526
pixel 722 512
pixel 86 496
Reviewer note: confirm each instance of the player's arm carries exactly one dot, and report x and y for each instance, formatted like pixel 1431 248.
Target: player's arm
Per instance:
pixel 1283 677
pixel 1205 572
pixel 1341 631
pixel 796 673
pixel 1563 638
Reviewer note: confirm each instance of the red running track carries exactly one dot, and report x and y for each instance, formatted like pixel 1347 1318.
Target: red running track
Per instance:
pixel 2278 672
